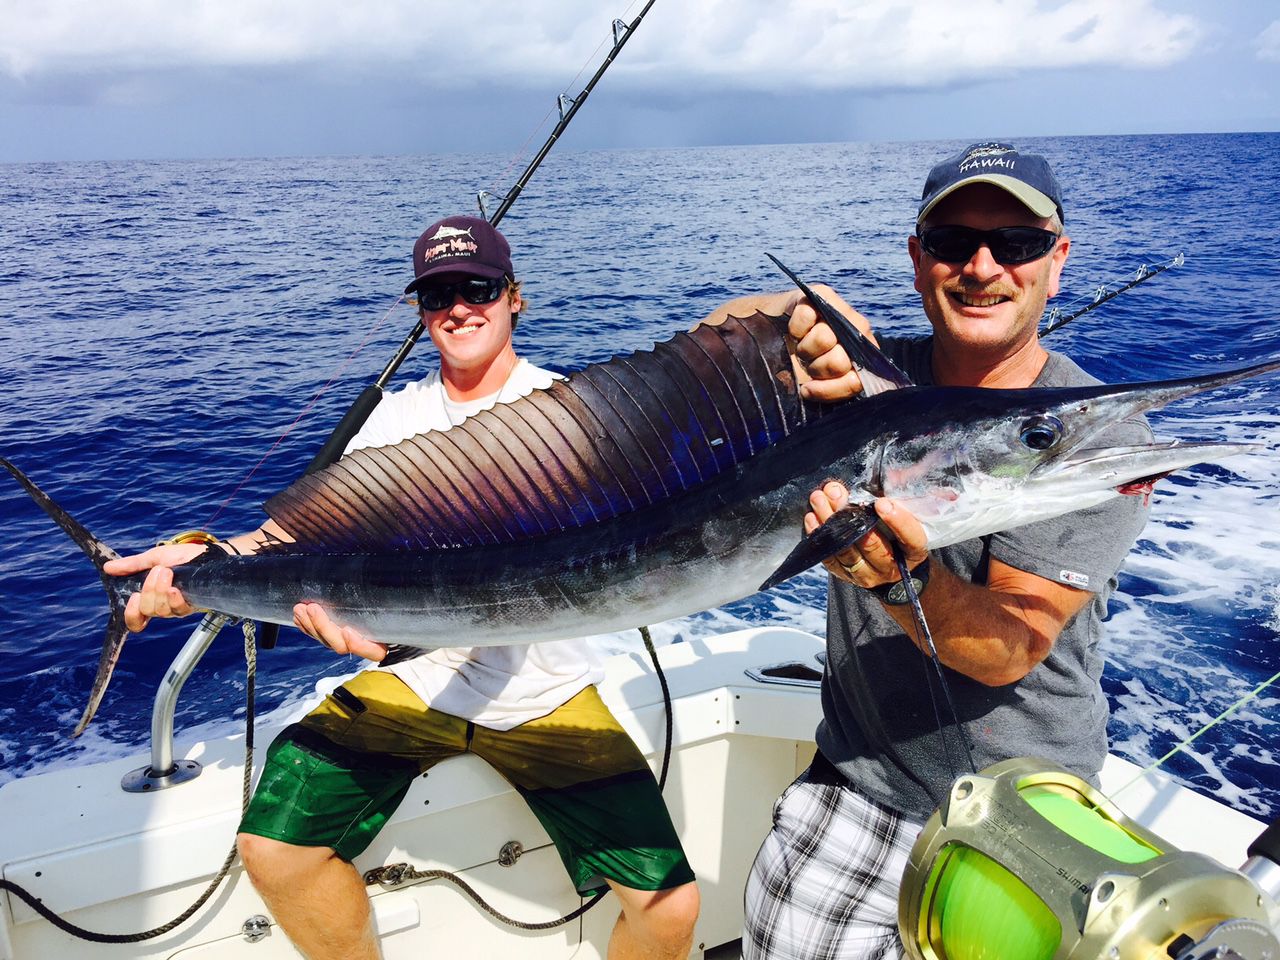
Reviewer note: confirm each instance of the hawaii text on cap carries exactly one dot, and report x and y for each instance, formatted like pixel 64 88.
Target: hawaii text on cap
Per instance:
pixel 1025 175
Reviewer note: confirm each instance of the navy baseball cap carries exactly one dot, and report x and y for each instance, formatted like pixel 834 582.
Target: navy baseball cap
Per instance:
pixel 1025 175
pixel 466 245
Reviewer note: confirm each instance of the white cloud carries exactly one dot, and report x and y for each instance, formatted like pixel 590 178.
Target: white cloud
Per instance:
pixel 1269 43
pixel 888 43
pixel 745 44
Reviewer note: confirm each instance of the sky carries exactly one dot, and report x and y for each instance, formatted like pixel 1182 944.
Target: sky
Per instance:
pixel 126 79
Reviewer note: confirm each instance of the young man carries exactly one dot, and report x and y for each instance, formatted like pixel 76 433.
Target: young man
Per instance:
pixel 1016 616
pixel 531 710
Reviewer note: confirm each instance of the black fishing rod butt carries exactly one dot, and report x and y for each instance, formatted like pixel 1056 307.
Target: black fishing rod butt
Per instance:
pixel 268 634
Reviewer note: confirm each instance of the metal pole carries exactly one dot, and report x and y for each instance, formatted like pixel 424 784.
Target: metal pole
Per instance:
pixel 162 771
pixel 1102 294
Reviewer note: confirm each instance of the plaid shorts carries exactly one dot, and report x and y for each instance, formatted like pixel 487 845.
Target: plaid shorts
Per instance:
pixel 825 882
pixel 334 779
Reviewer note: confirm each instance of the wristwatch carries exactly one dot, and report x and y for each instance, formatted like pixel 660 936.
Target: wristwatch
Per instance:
pixel 895 594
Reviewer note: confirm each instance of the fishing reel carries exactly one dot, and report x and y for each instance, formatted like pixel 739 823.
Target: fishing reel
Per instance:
pixel 1025 861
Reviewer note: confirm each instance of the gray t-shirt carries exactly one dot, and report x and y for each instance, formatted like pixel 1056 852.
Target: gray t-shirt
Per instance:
pixel 879 725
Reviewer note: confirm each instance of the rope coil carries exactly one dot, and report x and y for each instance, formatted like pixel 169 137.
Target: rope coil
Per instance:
pixel 93 936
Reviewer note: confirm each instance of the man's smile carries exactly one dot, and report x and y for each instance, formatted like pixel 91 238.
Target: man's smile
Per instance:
pixel 965 298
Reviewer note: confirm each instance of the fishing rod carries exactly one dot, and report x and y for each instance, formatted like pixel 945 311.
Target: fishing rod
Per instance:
pixel 1056 319
pixel 621 33
pixel 371 396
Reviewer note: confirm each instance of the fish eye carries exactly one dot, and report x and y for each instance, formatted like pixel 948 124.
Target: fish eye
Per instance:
pixel 1041 433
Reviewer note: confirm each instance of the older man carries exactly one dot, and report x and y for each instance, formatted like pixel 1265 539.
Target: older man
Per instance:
pixel 1016 616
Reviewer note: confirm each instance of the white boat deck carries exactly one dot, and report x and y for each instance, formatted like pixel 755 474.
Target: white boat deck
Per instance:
pixel 121 862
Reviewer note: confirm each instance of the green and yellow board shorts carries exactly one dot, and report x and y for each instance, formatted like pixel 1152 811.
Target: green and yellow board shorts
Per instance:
pixel 334 779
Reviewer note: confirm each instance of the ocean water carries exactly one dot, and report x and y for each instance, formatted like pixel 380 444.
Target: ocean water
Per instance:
pixel 177 338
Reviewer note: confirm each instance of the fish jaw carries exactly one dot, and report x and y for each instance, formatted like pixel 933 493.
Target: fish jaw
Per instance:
pixel 1003 458
pixel 1119 468
pixel 949 517
pixel 1086 417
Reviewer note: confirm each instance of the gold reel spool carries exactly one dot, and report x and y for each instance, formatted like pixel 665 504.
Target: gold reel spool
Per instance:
pixel 1026 861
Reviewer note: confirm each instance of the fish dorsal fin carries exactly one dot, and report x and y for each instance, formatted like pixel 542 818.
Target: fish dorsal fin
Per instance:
pixel 876 371
pixel 610 439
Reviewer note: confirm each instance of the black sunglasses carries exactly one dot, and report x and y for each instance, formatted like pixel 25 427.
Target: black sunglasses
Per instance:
pixel 1008 245
pixel 473 290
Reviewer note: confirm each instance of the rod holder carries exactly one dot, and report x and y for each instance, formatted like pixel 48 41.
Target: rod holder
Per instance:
pixel 163 771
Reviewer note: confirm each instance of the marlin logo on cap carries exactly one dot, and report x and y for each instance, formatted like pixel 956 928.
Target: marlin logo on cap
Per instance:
pixel 987 150
pixel 444 233
pixel 985 155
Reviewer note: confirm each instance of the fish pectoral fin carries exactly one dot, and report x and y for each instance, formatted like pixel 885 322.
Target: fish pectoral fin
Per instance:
pixel 842 530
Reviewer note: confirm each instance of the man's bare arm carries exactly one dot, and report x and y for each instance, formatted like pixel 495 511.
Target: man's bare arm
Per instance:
pixel 995 633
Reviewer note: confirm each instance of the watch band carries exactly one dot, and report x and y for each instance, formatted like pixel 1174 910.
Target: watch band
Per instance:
pixel 895 594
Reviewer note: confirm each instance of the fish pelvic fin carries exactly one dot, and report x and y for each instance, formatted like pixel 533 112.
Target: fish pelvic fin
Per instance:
pixel 876 371
pixel 99 553
pixel 842 530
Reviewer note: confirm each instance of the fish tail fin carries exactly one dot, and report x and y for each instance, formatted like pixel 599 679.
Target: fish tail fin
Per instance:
pixel 112 644
pixel 118 588
pixel 95 549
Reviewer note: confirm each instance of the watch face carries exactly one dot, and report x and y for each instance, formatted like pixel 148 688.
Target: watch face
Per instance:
pixel 898 592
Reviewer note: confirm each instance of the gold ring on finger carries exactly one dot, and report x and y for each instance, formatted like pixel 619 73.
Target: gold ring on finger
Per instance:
pixel 850 569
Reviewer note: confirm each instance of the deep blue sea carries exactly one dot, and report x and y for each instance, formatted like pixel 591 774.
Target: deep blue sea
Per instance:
pixel 164 323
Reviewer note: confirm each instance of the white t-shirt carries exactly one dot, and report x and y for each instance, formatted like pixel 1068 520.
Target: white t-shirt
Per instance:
pixel 496 687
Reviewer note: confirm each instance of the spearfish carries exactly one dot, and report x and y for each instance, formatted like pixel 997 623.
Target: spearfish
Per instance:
pixel 654 486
